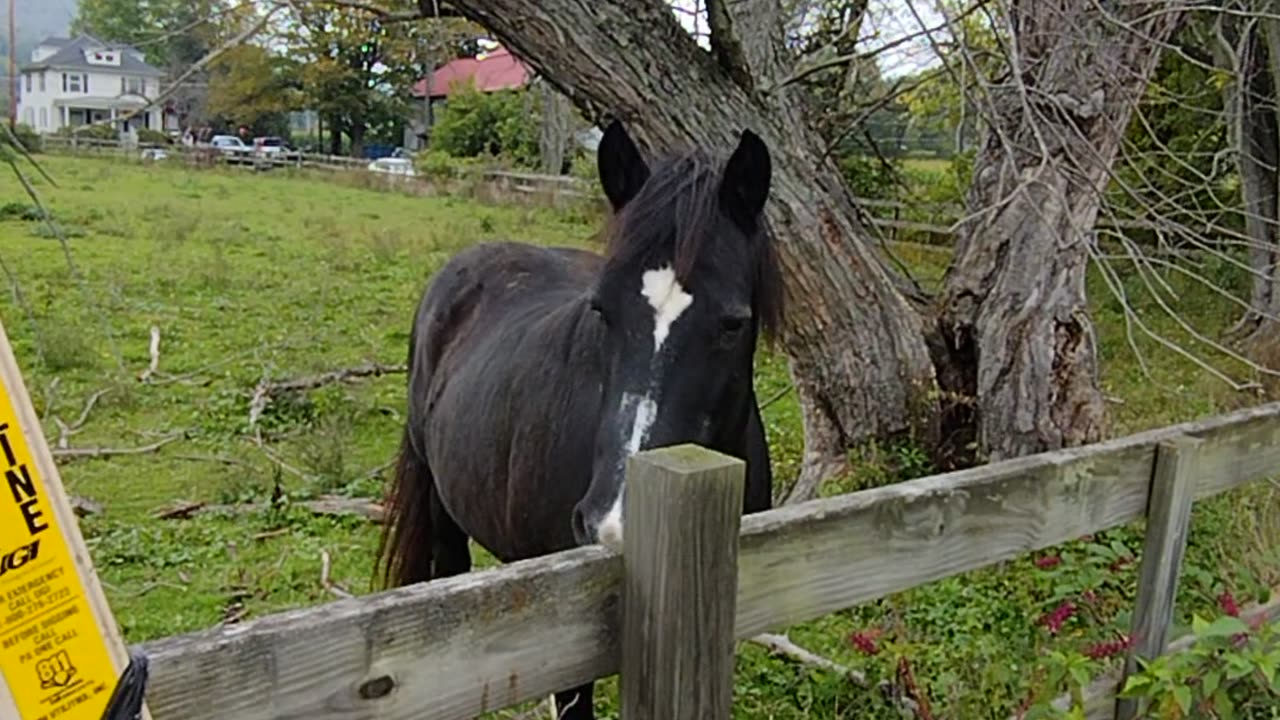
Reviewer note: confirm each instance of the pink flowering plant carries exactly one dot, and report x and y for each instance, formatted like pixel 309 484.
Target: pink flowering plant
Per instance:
pixel 1229 671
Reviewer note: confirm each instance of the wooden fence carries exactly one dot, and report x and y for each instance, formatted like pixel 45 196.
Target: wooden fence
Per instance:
pixel 929 223
pixel 198 154
pixel 457 647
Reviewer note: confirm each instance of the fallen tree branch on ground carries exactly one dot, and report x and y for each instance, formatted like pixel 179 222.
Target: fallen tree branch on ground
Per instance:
pixel 154 366
pixel 326 582
pixel 66 431
pixel 275 457
pixel 72 453
pixel 782 646
pixel 325 505
pixel 50 398
pixel 267 390
pixel 84 507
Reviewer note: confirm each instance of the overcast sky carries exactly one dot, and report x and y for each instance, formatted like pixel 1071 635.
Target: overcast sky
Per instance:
pixel 887 21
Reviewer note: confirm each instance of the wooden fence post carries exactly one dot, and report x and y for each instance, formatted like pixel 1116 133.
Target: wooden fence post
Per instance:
pixel 1173 489
pixel 680 566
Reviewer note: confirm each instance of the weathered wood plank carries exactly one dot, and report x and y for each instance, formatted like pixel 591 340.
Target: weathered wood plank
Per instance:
pixel 1168 520
pixel 455 647
pixel 680 568
pixel 447 649
pixel 802 561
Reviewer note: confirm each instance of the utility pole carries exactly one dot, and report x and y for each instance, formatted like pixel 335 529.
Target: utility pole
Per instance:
pixel 13 66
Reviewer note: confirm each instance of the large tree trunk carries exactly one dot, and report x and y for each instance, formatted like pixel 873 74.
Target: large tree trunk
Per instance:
pixel 1014 331
pixel 1250 51
pixel 356 131
pixel 858 356
pixel 1018 347
pixel 335 136
pixel 553 134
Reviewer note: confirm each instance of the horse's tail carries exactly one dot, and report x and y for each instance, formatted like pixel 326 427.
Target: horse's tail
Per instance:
pixel 405 551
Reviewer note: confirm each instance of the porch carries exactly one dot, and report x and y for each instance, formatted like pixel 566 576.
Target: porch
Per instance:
pixel 88 111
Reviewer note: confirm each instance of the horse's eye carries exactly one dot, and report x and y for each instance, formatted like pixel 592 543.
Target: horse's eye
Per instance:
pixel 732 324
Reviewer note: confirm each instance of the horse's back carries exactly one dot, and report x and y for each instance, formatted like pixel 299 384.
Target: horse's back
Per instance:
pixel 507 267
pixel 487 285
pixel 499 363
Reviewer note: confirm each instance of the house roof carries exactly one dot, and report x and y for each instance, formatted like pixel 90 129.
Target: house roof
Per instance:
pixel 498 70
pixel 70 56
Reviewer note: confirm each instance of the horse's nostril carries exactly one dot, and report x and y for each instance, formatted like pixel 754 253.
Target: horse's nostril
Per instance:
pixel 580 533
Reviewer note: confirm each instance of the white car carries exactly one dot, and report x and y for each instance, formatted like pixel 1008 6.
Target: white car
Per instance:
pixel 394 166
pixel 232 147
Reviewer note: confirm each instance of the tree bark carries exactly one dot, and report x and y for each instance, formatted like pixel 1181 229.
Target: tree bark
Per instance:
pixel 1017 351
pixel 555 129
pixel 356 131
pixel 335 136
pixel 1010 338
pixel 1250 50
pixel 858 356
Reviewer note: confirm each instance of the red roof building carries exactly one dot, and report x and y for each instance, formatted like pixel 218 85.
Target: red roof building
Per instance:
pixel 497 70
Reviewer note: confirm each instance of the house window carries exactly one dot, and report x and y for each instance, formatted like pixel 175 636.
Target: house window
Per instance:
pixel 131 85
pixel 44 117
pixel 28 77
pixel 41 81
pixel 75 83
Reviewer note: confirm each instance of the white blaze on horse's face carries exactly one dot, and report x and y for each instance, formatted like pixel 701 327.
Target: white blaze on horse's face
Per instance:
pixel 669 301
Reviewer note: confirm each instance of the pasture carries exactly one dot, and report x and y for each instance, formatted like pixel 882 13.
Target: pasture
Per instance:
pixel 281 276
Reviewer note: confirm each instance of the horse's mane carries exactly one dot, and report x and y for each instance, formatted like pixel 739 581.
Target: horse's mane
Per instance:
pixel 680 204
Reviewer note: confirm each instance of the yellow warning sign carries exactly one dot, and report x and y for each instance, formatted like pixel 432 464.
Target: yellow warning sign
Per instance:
pixel 57 661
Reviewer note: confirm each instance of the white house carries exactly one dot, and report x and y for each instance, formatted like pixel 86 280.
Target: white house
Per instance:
pixel 83 80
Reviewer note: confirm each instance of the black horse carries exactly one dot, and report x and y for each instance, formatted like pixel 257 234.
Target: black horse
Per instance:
pixel 534 373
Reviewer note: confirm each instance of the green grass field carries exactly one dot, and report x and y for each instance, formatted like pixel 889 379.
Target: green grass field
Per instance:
pixel 271 276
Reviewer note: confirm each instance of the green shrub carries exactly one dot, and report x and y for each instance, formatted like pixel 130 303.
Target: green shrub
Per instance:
pixel 147 136
pixel 868 176
pixel 502 124
pixel 437 165
pixel 96 132
pixel 26 135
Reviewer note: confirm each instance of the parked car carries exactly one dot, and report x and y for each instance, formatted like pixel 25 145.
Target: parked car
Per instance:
pixel 275 150
pixel 232 148
pixel 393 166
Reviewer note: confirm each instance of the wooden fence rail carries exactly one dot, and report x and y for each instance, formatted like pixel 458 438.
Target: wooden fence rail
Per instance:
pixel 931 220
pixel 461 646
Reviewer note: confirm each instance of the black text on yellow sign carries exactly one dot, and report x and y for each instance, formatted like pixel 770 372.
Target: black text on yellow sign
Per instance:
pixel 56 663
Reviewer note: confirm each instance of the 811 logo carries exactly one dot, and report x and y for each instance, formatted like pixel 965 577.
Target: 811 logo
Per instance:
pixel 55 671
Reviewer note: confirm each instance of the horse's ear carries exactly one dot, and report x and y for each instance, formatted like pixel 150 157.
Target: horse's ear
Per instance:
pixel 746 181
pixel 622 170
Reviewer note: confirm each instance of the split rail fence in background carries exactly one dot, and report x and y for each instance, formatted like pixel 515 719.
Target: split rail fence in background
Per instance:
pixel 454 648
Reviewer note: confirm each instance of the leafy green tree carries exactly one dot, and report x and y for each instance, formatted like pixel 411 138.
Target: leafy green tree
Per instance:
pixel 174 34
pixel 357 68
pixel 249 85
